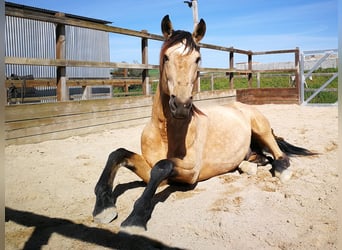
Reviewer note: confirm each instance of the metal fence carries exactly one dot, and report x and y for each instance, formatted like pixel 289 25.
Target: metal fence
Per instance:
pixel 31 39
pixel 312 61
pixel 37 39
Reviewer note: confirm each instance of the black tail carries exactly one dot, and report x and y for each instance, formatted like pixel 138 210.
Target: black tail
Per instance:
pixel 291 150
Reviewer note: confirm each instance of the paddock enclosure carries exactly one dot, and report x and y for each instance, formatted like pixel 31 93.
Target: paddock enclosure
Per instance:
pixel 58 91
pixel 61 80
pixel 63 118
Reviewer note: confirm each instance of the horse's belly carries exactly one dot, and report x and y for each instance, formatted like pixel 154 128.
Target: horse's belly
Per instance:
pixel 228 140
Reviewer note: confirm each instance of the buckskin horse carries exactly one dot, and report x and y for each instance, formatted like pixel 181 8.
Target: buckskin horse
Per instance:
pixel 183 144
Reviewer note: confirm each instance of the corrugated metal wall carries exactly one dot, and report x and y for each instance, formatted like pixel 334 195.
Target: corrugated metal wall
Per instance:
pixel 36 39
pixel 87 45
pixel 33 39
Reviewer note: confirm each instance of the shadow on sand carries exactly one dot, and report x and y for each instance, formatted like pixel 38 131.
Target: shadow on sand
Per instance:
pixel 45 226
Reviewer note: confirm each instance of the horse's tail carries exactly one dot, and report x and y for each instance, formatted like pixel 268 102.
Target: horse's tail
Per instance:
pixel 291 149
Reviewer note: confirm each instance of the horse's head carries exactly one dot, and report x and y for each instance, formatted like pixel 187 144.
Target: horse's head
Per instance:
pixel 179 62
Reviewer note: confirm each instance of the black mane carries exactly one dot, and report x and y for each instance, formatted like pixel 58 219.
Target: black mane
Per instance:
pixel 180 35
pixel 176 37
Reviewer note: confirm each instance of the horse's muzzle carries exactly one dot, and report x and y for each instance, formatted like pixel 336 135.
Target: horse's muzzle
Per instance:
pixel 180 109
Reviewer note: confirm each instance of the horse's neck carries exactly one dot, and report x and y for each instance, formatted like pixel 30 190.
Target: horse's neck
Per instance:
pixel 158 107
pixel 177 131
pixel 173 130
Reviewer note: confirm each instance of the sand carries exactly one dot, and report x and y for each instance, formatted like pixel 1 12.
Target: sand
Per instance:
pixel 50 197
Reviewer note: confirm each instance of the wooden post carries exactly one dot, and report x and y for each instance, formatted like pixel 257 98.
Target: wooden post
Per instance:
pixel 195 12
pixel 62 91
pixel 144 60
pixel 3 100
pixel 250 69
pixel 231 67
pixel 297 74
pixel 212 81
pixel 258 80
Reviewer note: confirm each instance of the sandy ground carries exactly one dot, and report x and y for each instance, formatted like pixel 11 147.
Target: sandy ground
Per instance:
pixel 50 198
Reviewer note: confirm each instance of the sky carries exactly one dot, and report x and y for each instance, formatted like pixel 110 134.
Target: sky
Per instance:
pixel 257 25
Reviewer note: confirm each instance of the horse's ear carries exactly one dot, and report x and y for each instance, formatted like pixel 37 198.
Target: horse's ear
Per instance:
pixel 166 27
pixel 199 31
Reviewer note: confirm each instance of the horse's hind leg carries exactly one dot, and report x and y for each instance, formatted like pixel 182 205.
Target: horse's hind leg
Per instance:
pixel 104 210
pixel 263 137
pixel 256 155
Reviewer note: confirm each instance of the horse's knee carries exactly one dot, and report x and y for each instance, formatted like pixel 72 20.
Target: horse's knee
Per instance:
pixel 162 170
pixel 119 155
pixel 112 164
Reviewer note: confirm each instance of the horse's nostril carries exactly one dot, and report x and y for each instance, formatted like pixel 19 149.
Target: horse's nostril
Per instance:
pixel 187 105
pixel 172 102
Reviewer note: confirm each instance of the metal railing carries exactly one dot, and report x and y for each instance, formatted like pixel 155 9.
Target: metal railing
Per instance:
pixel 324 55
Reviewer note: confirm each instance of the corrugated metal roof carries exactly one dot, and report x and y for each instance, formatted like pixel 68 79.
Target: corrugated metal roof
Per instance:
pixel 53 12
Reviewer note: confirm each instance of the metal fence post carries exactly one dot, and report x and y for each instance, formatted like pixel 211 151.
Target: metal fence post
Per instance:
pixel 302 78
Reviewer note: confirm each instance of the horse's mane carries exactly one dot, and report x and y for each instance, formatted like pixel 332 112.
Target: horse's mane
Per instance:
pixel 176 37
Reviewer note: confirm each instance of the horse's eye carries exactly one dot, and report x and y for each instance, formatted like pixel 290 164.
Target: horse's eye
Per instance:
pixel 165 59
pixel 198 59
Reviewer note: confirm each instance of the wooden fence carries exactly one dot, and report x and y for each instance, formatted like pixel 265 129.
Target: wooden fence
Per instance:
pixel 268 95
pixel 61 63
pixel 32 123
pixel 38 122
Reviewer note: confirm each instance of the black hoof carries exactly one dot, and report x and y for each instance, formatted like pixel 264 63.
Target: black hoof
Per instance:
pixel 134 222
pixel 106 216
pixel 104 210
pixel 139 216
pixel 280 169
pixel 281 163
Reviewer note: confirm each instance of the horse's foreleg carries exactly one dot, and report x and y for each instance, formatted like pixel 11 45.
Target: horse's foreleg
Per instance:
pixel 143 206
pixel 104 210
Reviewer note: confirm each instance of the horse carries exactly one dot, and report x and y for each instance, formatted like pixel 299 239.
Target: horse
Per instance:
pixel 184 144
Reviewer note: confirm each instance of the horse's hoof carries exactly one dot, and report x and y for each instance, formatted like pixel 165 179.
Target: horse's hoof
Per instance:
pixel 106 216
pixel 133 224
pixel 248 167
pixel 284 175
